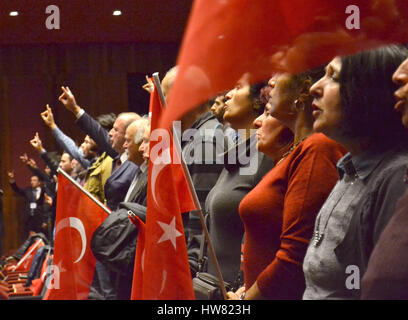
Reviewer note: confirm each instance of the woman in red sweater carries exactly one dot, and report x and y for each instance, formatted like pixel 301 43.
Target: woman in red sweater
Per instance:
pixel 279 213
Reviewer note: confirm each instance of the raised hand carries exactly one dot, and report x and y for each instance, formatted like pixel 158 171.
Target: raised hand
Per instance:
pixel 31 162
pixel 10 175
pixel 148 86
pixel 68 100
pixel 47 199
pixel 24 158
pixel 48 118
pixel 36 142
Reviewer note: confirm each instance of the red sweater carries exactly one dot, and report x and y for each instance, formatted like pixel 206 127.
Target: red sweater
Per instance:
pixel 279 216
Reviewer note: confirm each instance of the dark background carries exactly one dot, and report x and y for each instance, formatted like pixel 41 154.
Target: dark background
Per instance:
pixel 102 58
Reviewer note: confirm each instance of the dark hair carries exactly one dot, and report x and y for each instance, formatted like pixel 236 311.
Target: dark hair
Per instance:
pixel 367 95
pixel 106 120
pixel 212 100
pixel 54 155
pixel 256 97
pixel 70 157
pixel 309 76
pixel 303 81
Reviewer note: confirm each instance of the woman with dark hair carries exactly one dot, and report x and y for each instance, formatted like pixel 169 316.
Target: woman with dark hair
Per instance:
pixel 244 167
pixel 279 213
pixel 386 277
pixel 354 105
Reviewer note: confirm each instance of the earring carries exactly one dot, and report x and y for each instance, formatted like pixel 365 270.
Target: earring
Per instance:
pixel 299 105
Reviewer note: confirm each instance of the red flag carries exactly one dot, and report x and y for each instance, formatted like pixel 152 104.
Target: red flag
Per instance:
pixel 74 264
pixel 24 263
pixel 161 265
pixel 231 38
pixel 38 284
pixel 137 285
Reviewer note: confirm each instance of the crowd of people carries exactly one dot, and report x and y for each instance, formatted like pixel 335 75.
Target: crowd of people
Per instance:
pixel 310 180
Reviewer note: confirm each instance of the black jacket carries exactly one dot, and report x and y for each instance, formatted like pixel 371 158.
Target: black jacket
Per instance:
pixel 33 212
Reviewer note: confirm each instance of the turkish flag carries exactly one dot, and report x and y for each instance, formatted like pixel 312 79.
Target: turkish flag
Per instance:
pixel 25 262
pixel 78 216
pixel 38 284
pixel 137 284
pixel 228 39
pixel 161 265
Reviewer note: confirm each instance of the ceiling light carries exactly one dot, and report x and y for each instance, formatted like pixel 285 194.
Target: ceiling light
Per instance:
pixel 13 13
pixel 117 13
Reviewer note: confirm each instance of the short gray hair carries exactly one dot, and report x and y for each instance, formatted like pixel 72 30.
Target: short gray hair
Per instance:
pixel 144 123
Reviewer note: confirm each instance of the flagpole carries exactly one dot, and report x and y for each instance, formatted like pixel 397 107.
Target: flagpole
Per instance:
pixel 86 192
pixel 193 192
pixel 37 243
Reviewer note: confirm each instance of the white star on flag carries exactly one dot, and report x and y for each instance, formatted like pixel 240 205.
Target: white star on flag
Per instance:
pixel 58 268
pixel 170 232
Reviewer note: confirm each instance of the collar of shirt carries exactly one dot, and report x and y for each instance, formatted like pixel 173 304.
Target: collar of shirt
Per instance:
pixel 123 157
pixel 37 192
pixel 361 165
pixel 144 166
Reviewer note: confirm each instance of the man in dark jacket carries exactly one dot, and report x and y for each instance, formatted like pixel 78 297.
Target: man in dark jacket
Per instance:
pixel 109 283
pixel 111 142
pixel 34 197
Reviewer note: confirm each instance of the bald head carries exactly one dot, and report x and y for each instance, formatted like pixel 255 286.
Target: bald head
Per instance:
pixel 117 133
pixel 168 81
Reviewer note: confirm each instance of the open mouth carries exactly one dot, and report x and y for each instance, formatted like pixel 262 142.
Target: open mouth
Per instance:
pixel 400 103
pixel 316 111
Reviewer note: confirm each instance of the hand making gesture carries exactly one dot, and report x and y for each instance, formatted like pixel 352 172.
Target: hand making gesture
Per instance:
pixel 48 200
pixel 148 86
pixel 11 175
pixel 68 100
pixel 48 118
pixel 36 143
pixel 24 158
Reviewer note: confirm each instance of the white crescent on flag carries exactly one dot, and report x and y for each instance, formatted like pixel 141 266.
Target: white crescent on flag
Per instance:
pixel 159 163
pixel 73 222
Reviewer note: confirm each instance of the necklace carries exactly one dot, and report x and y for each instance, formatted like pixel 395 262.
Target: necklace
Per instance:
pixel 333 199
pixel 291 149
pixel 317 236
pixel 317 233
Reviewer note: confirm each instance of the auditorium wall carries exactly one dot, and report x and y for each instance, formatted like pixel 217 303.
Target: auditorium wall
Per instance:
pixel 31 76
